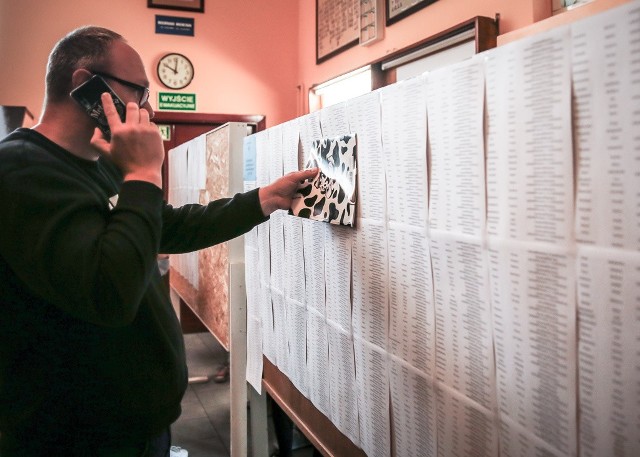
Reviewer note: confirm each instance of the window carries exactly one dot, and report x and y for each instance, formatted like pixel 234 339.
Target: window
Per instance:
pixel 450 46
pixel 336 90
pixel 560 6
pixel 448 51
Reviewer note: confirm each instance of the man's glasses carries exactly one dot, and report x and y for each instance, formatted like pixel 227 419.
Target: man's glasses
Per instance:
pixel 144 91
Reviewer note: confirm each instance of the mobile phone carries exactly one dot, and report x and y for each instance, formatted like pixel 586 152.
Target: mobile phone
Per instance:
pixel 88 96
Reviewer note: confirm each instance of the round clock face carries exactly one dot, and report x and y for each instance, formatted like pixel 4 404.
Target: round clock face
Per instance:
pixel 175 71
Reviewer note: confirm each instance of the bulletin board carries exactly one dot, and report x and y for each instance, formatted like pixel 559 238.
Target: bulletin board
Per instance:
pixel 210 299
pixel 482 319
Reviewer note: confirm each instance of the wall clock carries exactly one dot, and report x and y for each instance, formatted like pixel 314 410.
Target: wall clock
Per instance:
pixel 175 71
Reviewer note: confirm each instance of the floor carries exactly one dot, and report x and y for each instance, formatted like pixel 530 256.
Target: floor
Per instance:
pixel 203 429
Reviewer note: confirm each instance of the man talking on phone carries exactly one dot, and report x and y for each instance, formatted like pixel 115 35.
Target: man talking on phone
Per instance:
pixel 92 358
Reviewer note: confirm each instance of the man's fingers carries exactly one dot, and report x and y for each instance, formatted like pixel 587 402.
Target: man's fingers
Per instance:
pixel 110 110
pixel 133 113
pixel 307 174
pixel 144 116
pixel 98 141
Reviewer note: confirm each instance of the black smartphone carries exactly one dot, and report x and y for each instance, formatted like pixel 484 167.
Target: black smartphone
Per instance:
pixel 88 96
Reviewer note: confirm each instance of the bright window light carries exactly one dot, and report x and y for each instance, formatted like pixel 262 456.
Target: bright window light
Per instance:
pixel 357 82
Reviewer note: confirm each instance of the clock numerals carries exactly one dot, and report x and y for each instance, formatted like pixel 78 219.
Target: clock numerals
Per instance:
pixel 175 71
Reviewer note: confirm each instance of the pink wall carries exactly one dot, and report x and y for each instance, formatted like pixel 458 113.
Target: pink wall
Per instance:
pixel 435 18
pixel 244 51
pixel 250 57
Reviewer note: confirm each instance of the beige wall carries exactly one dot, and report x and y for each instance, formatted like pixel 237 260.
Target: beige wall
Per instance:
pixel 250 58
pixel 244 51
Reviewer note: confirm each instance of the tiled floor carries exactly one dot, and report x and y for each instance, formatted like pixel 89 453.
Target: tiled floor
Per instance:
pixel 203 429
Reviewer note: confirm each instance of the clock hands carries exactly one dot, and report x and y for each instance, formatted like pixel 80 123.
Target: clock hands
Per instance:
pixel 181 71
pixel 174 70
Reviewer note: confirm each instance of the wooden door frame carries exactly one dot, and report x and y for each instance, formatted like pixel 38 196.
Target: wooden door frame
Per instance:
pixel 256 121
pixel 174 117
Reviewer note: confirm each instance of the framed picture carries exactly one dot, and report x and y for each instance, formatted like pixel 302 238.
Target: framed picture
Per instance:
pixel 398 9
pixel 183 5
pixel 337 27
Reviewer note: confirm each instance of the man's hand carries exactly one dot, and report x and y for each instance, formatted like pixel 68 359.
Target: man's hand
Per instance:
pixel 136 145
pixel 278 194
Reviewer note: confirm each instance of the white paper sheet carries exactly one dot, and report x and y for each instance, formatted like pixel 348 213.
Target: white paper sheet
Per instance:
pixel 529 148
pixel 455 105
pixel 251 277
pixel 337 273
pixel 464 339
pixel 293 266
pixel 464 427
pixel 364 120
pixel 264 252
pixel 313 239
pixel 411 302
pixel 609 359
pixel 269 343
pixel 251 242
pixel 309 132
pixel 372 379
pixel 197 167
pixel 370 316
pixel 276 245
pixel 404 143
pixel 254 353
pixel 534 314
pixel 249 164
pixel 413 410
pixel 276 157
pixel 183 190
pixel 290 146
pixel 607 94
pixel 262 158
pixel 515 441
pixel 254 318
pixel 280 332
pixel 318 361
pixel 333 120
pixel 296 333
pixel 342 381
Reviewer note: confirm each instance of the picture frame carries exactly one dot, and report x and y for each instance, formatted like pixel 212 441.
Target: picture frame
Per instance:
pixel 197 6
pixel 337 27
pixel 399 9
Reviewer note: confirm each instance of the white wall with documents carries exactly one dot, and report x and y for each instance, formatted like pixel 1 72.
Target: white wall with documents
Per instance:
pixel 488 300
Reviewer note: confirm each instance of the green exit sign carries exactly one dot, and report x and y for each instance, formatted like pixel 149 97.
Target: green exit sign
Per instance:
pixel 177 102
pixel 165 132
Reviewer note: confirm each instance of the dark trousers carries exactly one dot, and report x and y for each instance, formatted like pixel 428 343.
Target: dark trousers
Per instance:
pixel 156 447
pixel 159 446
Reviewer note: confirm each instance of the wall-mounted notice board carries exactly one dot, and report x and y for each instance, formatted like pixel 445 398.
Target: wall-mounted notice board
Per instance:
pixel 486 301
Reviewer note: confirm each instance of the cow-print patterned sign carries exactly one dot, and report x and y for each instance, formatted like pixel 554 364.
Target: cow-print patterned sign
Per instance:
pixel 331 195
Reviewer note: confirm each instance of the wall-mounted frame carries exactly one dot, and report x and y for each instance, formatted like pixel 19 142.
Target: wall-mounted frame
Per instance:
pixel 337 27
pixel 399 9
pixel 371 21
pixel 182 5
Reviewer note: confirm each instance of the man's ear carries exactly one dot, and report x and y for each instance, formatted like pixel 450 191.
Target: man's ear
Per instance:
pixel 80 76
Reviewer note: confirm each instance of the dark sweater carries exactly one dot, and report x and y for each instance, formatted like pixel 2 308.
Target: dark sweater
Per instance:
pixel 90 347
